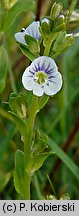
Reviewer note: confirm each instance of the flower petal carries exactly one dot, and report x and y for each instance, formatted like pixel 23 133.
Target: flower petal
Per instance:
pixel 45 64
pixel 38 90
pixel 54 86
pixel 27 80
pixel 33 30
pixel 20 38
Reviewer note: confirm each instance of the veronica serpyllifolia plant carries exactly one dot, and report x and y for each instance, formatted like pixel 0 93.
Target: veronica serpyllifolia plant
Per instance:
pixel 41 41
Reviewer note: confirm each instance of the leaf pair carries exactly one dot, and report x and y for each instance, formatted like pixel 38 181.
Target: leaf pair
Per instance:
pixel 39 152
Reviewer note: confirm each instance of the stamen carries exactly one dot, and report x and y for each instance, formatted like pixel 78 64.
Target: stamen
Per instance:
pixel 41 77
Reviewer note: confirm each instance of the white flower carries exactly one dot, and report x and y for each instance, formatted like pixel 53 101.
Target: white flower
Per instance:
pixel 42 76
pixel 32 30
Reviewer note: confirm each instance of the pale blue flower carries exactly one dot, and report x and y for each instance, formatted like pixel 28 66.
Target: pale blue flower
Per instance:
pixel 42 76
pixel 32 30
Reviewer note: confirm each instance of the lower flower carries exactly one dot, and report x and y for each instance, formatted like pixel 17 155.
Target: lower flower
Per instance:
pixel 42 76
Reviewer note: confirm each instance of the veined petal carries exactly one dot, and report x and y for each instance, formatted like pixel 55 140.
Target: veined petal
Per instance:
pixel 27 80
pixel 33 30
pixel 38 90
pixel 54 85
pixel 20 38
pixel 45 64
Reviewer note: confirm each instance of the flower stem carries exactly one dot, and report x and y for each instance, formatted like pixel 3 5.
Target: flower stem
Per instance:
pixel 28 142
pixel 32 114
pixel 47 50
pixel 26 188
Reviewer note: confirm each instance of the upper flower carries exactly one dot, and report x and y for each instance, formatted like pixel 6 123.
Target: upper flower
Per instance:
pixel 42 76
pixel 32 30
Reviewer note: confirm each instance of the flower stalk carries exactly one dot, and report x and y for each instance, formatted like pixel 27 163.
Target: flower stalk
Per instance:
pixel 32 115
pixel 28 143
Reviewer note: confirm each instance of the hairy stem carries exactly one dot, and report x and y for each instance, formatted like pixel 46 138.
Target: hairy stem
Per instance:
pixel 33 111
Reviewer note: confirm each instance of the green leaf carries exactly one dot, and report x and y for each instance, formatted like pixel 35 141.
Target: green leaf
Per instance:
pixel 27 52
pixel 17 9
pixel 37 161
pixel 62 43
pixel 40 143
pixel 32 44
pixel 60 27
pixel 42 101
pixel 3 67
pixel 19 174
pixel 21 177
pixel 59 41
pixel 18 104
pixel 64 157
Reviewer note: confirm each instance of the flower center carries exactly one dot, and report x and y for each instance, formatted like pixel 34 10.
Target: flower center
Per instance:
pixel 41 76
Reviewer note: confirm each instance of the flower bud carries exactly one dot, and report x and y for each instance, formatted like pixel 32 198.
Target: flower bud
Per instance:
pixel 45 26
pixel 45 20
pixel 68 40
pixel 63 41
pixel 55 10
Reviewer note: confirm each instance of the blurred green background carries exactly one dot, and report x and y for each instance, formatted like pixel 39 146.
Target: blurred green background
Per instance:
pixel 59 118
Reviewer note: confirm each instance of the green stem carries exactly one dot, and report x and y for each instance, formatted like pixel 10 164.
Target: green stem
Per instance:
pixel 38 192
pixel 26 188
pixel 47 50
pixel 28 142
pixel 33 111
pixel 32 114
